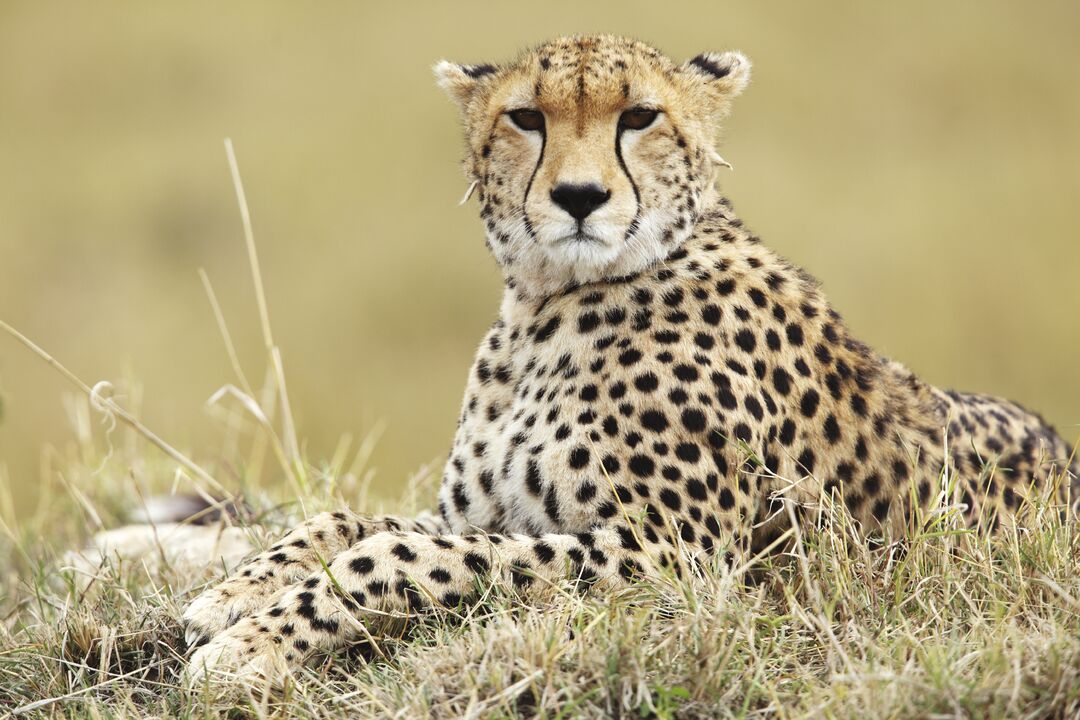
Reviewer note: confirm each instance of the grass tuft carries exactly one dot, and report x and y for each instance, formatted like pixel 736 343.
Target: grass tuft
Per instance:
pixel 950 623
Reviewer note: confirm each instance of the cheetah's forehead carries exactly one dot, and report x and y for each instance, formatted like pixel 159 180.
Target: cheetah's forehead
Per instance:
pixel 590 75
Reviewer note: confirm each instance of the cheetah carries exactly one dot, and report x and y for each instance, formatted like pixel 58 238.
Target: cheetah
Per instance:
pixel 659 385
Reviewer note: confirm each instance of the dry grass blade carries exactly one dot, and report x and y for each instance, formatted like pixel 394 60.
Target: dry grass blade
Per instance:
pixel 247 395
pixel 292 446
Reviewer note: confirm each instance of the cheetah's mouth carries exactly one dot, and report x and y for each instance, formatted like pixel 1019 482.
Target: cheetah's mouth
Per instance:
pixel 579 237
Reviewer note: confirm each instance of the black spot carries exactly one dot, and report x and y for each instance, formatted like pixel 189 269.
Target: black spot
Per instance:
pixel 654 420
pixel 687 452
pixel 477 563
pixel 861 451
pixel 533 479
pixel 627 539
pixel 832 381
pixel 832 429
pixel 588 322
pixel 586 491
pixel 551 504
pixel 781 381
pixel 579 457
pixel 544 552
pixel 362 565
pixel 593 298
pixel 646 382
pixel 686 373
pixel 753 407
pixel 704 341
pixel 548 329
pixel 872 484
pixel 642 465
pixel 693 420
pixel 667 337
pixel 809 403
pixel 670 498
pixel 745 339
pixel 403 552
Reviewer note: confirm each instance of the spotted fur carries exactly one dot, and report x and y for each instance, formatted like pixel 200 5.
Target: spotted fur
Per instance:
pixel 657 385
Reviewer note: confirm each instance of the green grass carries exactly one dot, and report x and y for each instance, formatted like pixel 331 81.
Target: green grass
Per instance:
pixel 952 624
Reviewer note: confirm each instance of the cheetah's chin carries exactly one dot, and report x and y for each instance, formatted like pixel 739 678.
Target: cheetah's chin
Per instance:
pixel 581 251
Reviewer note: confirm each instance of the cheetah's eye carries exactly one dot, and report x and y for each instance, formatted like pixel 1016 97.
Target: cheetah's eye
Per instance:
pixel 637 118
pixel 528 120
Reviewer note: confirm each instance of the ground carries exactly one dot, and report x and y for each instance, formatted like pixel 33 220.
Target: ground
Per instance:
pixel 953 624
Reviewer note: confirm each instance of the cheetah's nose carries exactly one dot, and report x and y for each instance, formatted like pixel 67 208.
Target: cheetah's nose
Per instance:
pixel 579 200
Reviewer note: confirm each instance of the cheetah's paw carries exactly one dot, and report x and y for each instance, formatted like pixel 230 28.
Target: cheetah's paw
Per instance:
pixel 222 606
pixel 243 653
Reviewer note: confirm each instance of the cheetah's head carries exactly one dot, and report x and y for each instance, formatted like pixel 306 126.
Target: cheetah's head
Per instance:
pixel 592 156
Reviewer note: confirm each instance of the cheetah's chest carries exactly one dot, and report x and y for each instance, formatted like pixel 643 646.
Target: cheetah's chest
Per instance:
pixel 595 406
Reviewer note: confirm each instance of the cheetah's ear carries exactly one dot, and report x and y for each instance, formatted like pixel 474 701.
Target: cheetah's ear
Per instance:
pixel 459 81
pixel 727 74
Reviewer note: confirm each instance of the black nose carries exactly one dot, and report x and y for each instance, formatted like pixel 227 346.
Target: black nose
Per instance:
pixel 579 200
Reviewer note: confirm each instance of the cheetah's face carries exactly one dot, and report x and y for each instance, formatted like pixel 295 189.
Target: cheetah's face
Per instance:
pixel 593 156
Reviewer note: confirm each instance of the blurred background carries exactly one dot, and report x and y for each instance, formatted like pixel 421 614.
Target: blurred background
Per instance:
pixel 921 159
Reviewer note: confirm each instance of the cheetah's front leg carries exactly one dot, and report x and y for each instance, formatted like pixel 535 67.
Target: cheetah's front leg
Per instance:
pixel 396 574
pixel 300 553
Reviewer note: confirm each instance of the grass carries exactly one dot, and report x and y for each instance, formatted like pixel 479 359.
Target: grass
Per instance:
pixel 953 624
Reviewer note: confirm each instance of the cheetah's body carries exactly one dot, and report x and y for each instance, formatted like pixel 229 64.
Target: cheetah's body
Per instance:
pixel 658 394
pixel 658 382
